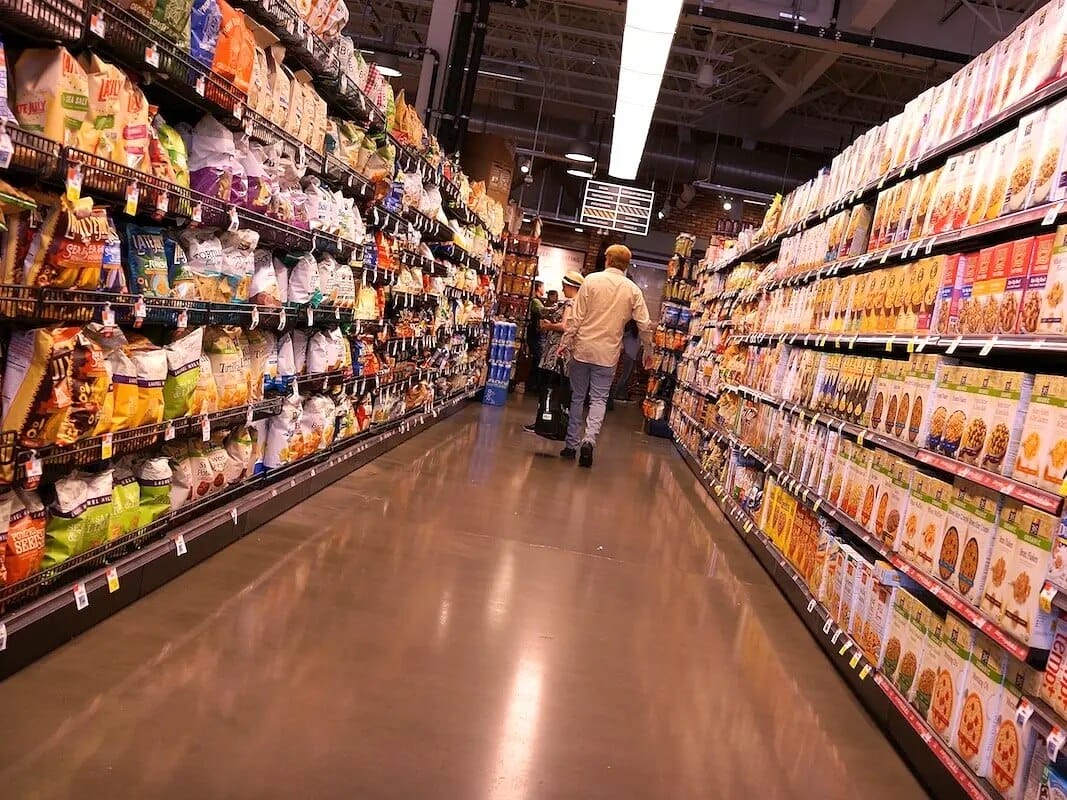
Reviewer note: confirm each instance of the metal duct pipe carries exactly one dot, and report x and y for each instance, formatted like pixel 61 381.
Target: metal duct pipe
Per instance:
pixel 760 171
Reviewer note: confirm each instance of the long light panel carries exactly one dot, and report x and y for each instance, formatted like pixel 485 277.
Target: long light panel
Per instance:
pixel 646 42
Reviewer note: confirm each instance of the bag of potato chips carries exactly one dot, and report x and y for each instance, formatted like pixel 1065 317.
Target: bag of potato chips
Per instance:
pixel 25 536
pixel 51 94
pixel 183 373
pixel 223 348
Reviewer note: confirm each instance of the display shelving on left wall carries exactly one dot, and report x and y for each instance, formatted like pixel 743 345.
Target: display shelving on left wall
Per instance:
pixel 207 321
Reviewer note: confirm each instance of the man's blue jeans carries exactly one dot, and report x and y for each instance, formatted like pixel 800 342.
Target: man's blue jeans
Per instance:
pixel 596 381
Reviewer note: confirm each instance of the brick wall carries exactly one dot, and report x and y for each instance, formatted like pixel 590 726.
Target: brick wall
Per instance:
pixel 705 217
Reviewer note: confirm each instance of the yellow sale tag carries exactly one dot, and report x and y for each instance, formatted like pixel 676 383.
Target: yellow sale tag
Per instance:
pixel 844 648
pixel 105 446
pixel 865 672
pixel 852 662
pixel 748 527
pixel 112 580
pixel 860 436
pixel 818 505
pixel 1046 597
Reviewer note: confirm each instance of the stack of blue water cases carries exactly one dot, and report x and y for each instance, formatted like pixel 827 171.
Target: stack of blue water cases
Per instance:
pixel 503 349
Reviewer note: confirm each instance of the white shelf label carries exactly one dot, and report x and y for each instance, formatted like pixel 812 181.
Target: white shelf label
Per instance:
pixel 179 545
pixel 81 597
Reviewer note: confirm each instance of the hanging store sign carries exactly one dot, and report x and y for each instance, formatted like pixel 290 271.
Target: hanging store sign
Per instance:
pixel 619 208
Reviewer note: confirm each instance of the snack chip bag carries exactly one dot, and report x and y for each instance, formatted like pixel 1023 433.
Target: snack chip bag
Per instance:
pixel 51 94
pixel 204 25
pixel 147 260
pixel 205 398
pixel 6 113
pixel 238 447
pixel 172 19
pixel 183 283
pixel 183 374
pixel 25 536
pixel 135 131
pixel 281 447
pixel 174 145
pixel 150 368
pixel 222 345
pixel 203 251
pixel 120 404
pixel 264 290
pixel 112 272
pixel 235 49
pixel 125 503
pixel 286 362
pixel 101 133
pixel 78 518
pixel 258 348
pixel 154 484
pixel 238 265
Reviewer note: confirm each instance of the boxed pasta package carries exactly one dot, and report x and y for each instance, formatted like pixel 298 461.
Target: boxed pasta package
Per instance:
pixel 1035 533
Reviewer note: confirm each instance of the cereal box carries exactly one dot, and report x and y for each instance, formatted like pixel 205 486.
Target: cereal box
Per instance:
pixel 947 310
pixel 1023 618
pixel 953 673
pixel 940 216
pixel 892 530
pixel 1041 459
pixel 913 650
pixel 957 397
pixel 874 637
pixel 1012 743
pixel 968 305
pixel 881 479
pixel 1049 287
pixel 998 407
pixel 970 173
pixel 980 708
pixel 930 665
pixel 1003 168
pixel 984 177
pixel 989 286
pixel 1049 163
pixel 1015 280
pixel 1033 288
pixel 1001 561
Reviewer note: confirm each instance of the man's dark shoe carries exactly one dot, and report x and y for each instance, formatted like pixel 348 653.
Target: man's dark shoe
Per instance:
pixel 586 457
pixel 530 428
pixel 568 453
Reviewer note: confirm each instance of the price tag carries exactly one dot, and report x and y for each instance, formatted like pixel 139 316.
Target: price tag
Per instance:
pixel 74 182
pixel 3 637
pixel 205 428
pixel 296 388
pixel 179 545
pixel 7 147
pixel 151 55
pixel 1046 597
pixel 281 320
pixel 987 347
pixel 168 432
pixel 183 319
pixel 133 195
pixel 107 316
pixel 826 628
pixel 748 527
pixel 885 256
pixel 865 672
pixel 1053 212
pixel 233 512
pixel 852 341
pixel 818 505
pixel 860 437
pixel 1037 344
pixel 197 215
pixel 844 647
pixel 811 605
pixel 311 316
pixel 112 580
pixel 200 85
pixel 1055 741
pixel 836 636
pixel 238 111
pixel 889 344
pixel 81 597
pixel 140 308
pixel 337 312
pixel 1023 712
pixel 96 25
pixel 255 318
pixel 955 343
pixel 106 442
pixel 855 660
pixel 235 221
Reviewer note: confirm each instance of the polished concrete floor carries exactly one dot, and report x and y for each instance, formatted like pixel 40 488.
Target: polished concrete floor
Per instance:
pixel 466 618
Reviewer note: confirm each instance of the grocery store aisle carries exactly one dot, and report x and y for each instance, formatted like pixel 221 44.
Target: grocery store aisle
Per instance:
pixel 463 618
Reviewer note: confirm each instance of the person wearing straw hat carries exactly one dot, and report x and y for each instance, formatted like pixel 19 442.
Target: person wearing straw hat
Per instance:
pixel 593 341
pixel 553 325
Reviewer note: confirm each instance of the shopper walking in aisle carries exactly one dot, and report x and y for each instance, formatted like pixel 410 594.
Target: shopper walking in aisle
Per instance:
pixel 534 336
pixel 593 341
pixel 553 325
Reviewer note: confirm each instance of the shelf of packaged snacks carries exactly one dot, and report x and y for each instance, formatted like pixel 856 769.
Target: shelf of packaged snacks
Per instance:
pixel 942 771
pixel 390 222
pixel 454 205
pixel 917 343
pixel 432 230
pixel 409 160
pixel 463 294
pixel 40 613
pixel 340 175
pixel 679 303
pixel 705 393
pixel 1049 502
pixel 62 21
pixel 303 46
pixel 461 258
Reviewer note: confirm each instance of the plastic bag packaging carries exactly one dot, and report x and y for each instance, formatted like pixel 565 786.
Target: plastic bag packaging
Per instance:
pixel 172 18
pixel 259 187
pixel 135 131
pixel 345 284
pixel 183 374
pixel 327 268
pixel 286 362
pixel 318 353
pixel 183 284
pixel 154 477
pixel 222 345
pixel 304 281
pixel 235 48
pixel 112 272
pixel 197 472
pixel 205 399
pixel 78 519
pixel 203 251
pixel 51 94
pixel 281 443
pixel 101 132
pixel 125 502
pixel 238 264
pixel 68 249
pixel 257 347
pixel 25 536
pixel 238 446
pixel 6 114
pixel 158 156
pixel 204 23
pixel 150 365
pixel 281 274
pixel 174 146
pixel 119 411
pixel 301 340
pixel 319 423
pixel 212 159
pixel 259 442
pixel 264 289
pixel 147 261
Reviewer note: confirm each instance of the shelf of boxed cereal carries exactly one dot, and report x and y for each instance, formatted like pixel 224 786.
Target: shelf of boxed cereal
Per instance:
pixel 979 103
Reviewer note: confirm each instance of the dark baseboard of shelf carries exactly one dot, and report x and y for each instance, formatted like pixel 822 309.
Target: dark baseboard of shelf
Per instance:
pixel 53 619
pixel 932 762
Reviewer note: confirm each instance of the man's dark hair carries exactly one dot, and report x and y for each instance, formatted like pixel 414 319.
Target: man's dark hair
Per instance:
pixel 553 295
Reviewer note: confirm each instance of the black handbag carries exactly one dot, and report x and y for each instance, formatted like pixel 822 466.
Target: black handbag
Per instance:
pixel 553 409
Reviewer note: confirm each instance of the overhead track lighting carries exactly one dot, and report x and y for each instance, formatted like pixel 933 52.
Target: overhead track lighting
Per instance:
pixel 580 151
pixel 579 172
pixel 727 205
pixel 524 165
pixel 646 43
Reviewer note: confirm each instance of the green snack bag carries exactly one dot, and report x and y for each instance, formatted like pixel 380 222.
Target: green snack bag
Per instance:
pixel 125 502
pixel 183 373
pixel 153 479
pixel 78 519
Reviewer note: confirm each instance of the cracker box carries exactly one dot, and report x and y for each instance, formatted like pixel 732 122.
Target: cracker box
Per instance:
pixel 929 666
pixel 1015 281
pixel 1001 561
pixel 913 650
pixel 953 672
pixel 969 308
pixel 939 217
pixel 1027 151
pixel 979 713
pixel 978 510
pixel 955 397
pixel 881 478
pixel 969 179
pixel 1023 618
pixel 899 620
pixel 1013 743
pixel 935 495
pixel 1034 286
pixel 1041 457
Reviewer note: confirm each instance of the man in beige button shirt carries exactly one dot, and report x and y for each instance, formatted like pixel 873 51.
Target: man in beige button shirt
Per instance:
pixel 593 340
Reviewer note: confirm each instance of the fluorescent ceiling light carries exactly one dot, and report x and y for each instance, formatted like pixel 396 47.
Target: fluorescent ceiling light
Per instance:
pixel 577 229
pixel 578 172
pixel 791 16
pixel 646 43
